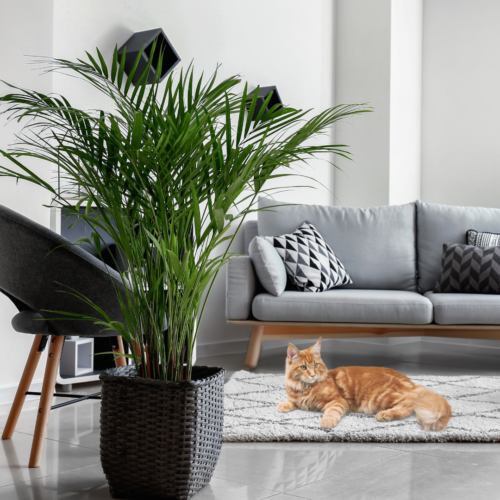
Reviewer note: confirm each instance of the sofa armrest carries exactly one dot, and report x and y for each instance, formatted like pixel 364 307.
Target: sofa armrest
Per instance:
pixel 241 283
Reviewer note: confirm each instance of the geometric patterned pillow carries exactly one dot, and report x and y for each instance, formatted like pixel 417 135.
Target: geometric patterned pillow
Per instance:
pixel 469 269
pixel 482 239
pixel 309 261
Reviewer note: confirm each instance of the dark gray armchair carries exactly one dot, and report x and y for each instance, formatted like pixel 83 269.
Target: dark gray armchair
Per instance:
pixel 34 270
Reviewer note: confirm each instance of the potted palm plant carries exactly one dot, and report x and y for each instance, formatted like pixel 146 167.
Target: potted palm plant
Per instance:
pixel 167 174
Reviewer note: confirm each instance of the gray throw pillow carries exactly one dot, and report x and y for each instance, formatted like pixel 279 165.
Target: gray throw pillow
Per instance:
pixel 469 269
pixel 268 266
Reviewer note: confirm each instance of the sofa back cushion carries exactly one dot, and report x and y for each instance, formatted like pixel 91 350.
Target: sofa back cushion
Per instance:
pixel 250 231
pixel 439 224
pixel 376 245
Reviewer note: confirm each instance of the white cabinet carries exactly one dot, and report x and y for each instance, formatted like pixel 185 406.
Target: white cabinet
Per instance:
pixel 77 357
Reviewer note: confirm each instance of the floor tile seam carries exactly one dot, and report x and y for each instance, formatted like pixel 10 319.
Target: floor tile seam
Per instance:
pixel 272 496
pixel 288 494
pixel 46 476
pixel 462 461
pixel 347 471
pixel 456 460
pixel 64 442
pixel 246 484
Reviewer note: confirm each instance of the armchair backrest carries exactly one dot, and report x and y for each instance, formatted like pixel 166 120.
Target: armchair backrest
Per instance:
pixel 41 280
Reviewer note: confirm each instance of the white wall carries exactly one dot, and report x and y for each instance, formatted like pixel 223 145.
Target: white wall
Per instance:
pixel 25 29
pixel 260 43
pixel 362 74
pixel 461 102
pixel 430 69
pixel 405 101
pixel 379 60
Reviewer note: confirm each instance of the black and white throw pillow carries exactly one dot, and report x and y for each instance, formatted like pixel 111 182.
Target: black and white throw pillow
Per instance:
pixel 309 261
pixel 479 239
pixel 469 269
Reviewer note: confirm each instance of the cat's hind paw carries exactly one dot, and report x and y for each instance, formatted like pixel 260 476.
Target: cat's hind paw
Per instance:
pixel 286 406
pixel 329 422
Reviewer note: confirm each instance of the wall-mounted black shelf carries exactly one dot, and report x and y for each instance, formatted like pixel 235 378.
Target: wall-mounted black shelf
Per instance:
pixel 263 94
pixel 145 39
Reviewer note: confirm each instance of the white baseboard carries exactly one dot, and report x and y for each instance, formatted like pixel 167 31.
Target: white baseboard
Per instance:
pixel 7 392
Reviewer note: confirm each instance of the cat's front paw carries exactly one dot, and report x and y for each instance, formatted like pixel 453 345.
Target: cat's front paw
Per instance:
pixel 329 422
pixel 286 406
pixel 383 416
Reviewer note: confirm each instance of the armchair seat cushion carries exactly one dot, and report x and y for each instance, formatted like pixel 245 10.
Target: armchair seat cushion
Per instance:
pixel 30 322
pixel 465 308
pixel 345 306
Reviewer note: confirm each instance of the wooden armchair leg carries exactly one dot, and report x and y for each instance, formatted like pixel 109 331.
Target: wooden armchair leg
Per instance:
pixel 120 360
pixel 49 383
pixel 254 346
pixel 24 386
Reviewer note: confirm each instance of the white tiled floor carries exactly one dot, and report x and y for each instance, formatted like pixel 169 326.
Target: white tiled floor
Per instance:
pixel 282 471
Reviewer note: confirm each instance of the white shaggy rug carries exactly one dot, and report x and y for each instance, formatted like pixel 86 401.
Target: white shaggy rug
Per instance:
pixel 251 399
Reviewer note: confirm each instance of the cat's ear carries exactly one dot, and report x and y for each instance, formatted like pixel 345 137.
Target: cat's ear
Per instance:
pixel 292 352
pixel 316 348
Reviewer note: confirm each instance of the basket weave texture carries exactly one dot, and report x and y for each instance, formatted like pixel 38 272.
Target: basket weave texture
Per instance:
pixel 160 440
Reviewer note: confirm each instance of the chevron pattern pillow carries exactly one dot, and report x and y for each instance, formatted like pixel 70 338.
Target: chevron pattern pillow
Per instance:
pixel 469 269
pixel 309 261
pixel 479 239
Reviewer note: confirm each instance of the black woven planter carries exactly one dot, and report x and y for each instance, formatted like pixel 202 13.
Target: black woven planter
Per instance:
pixel 160 440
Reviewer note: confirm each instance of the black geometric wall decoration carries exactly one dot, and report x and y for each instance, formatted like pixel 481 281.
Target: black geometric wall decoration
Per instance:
pixel 263 93
pixel 145 39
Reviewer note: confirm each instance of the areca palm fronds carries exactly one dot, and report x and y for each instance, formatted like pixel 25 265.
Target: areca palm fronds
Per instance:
pixel 165 175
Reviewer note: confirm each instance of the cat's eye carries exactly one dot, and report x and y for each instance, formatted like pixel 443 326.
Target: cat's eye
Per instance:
pixel 304 367
pixel 315 365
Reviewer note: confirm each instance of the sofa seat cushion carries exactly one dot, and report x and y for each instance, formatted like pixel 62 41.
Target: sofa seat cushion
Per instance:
pixel 465 308
pixel 345 306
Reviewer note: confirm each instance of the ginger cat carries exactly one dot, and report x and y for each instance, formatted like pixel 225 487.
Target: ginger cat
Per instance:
pixel 358 389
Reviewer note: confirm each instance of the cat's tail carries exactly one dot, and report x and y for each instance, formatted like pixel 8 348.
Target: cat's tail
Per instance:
pixel 432 411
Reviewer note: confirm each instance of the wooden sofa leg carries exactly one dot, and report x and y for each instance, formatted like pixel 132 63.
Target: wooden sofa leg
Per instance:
pixel 120 360
pixel 253 352
pixel 24 386
pixel 48 386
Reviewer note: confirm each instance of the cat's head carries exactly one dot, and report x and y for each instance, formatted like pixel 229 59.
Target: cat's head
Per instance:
pixel 305 366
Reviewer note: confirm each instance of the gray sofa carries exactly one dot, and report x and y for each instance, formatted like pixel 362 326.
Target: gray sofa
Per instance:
pixel 393 255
